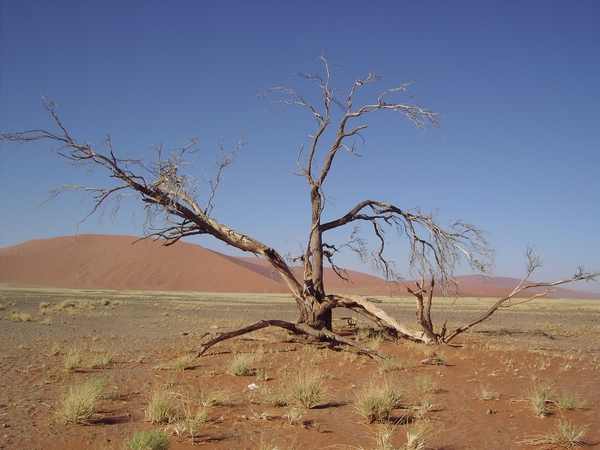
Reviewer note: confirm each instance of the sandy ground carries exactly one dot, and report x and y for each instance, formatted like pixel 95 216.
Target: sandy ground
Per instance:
pixel 134 339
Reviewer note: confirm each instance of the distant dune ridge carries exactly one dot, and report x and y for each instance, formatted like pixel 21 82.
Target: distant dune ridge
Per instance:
pixel 114 262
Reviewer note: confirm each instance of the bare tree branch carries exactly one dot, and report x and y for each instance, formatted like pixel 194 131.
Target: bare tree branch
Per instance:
pixel 533 262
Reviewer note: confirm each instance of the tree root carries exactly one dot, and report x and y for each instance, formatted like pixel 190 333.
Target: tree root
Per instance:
pixel 296 328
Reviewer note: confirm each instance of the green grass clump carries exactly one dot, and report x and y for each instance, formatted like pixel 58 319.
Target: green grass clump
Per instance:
pixel 148 440
pixel 80 400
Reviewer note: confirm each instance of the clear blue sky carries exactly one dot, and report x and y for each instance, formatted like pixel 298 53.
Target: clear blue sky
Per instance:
pixel 517 81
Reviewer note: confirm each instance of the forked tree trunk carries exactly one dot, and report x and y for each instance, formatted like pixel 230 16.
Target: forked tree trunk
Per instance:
pixel 315 314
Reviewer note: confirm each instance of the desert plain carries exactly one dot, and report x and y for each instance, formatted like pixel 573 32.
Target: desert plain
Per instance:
pixel 474 394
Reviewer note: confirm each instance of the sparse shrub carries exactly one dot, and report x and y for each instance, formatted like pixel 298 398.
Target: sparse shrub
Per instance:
pixel 148 440
pixel 268 444
pixel 538 396
pixel 101 357
pixel 161 408
pixel 276 397
pixel 418 435
pixel 570 401
pixel 79 401
pixel 563 435
pixel 19 316
pixel 306 389
pixel 422 407
pixel 376 400
pixel 383 438
pixel 294 415
pixel 485 393
pixel 190 423
pixel 183 363
pixel 55 350
pixel 73 359
pixel 362 334
pixel 46 321
pixel 241 365
pixel 262 375
pixel 425 384
pixel 389 364
pixel 216 397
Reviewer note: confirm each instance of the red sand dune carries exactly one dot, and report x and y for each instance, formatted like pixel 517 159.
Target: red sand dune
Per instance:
pixel 115 262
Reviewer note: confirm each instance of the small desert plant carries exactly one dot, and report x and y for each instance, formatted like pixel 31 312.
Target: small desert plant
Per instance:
pixel 389 364
pixel 570 401
pixel 101 357
pixel 275 397
pixel 563 435
pixel 425 384
pixel 79 401
pixel 170 380
pixel 19 316
pixel 383 438
pixel 418 435
pixel 183 363
pixel 73 359
pixel 241 365
pixel 306 389
pixel 161 408
pixel 294 415
pixel 148 440
pixel 268 444
pixel 376 400
pixel 538 396
pixel 190 423
pixel 422 406
pixel 362 334
pixel 485 393
pixel 46 321
pixel 262 375
pixel 215 397
pixel 55 350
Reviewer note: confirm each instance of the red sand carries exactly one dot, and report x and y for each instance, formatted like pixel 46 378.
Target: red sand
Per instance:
pixel 115 262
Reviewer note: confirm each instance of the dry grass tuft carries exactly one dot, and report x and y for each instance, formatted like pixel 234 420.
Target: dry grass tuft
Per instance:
pixel 538 397
pixel 19 316
pixel 376 400
pixel 306 389
pixel 148 440
pixel 162 408
pixel 80 400
pixel 73 359
pixel 563 435
pixel 242 365
pixel 418 435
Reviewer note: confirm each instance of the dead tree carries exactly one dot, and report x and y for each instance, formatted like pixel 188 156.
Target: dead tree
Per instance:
pixel 424 297
pixel 170 195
